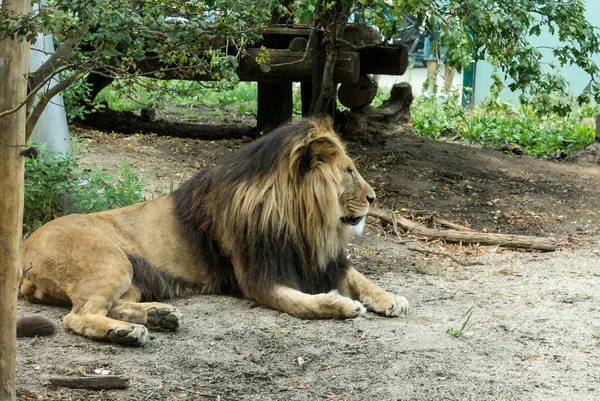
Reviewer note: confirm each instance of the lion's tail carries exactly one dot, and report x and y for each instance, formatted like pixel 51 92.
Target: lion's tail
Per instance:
pixel 32 326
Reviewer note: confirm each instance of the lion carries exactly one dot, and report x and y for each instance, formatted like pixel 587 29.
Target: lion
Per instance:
pixel 270 224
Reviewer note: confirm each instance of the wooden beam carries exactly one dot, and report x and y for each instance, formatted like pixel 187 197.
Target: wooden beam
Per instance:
pixel 279 36
pixel 275 105
pixel 306 91
pixel 294 66
pixel 384 60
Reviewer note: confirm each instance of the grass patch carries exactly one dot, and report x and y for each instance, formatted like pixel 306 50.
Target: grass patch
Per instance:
pixel 496 124
pixel 135 95
pixel 464 327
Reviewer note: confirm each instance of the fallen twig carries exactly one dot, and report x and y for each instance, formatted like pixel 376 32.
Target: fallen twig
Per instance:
pixel 508 240
pixel 454 258
pixel 449 224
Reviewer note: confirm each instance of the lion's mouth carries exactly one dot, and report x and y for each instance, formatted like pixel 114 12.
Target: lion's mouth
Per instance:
pixel 352 220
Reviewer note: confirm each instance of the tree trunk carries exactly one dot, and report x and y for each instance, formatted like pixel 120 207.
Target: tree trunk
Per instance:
pixel 324 46
pixel 14 63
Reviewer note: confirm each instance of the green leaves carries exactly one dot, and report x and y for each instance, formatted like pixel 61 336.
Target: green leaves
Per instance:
pixel 496 124
pixel 57 185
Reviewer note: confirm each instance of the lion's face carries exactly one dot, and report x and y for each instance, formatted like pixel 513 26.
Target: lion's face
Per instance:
pixel 355 197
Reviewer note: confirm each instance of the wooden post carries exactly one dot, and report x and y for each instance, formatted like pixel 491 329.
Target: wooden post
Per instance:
pixel 306 96
pixel 275 105
pixel 14 64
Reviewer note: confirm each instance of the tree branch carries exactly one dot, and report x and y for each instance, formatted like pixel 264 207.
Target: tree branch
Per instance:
pixel 45 99
pixel 32 93
pixel 61 54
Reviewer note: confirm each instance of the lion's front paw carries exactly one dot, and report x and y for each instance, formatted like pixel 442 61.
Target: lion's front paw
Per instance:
pixel 346 307
pixel 134 334
pixel 166 318
pixel 387 304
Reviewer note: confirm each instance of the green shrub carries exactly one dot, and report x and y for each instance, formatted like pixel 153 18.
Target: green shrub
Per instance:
pixel 57 185
pixel 496 124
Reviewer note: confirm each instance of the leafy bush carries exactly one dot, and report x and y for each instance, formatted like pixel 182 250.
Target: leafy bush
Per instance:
pixel 57 185
pixel 76 98
pixel 496 124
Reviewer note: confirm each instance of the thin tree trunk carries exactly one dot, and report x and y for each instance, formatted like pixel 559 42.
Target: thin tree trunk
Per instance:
pixel 325 56
pixel 14 62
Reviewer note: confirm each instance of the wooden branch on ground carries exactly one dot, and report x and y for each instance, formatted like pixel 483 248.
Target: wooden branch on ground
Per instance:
pixel 100 382
pixel 508 240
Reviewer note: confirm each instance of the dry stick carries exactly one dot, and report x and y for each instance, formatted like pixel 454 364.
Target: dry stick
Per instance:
pixel 210 395
pixel 100 382
pixel 454 258
pixel 451 225
pixel 508 240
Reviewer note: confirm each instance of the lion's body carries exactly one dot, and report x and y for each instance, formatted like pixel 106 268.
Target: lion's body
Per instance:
pixel 271 224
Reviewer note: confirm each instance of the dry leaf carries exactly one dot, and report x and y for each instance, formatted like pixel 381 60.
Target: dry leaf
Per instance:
pixel 178 395
pixel 530 357
pixel 137 380
pixel 82 370
pixel 495 317
pixel 293 379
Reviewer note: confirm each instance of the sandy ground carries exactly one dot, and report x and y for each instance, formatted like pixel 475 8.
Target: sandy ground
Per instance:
pixel 515 326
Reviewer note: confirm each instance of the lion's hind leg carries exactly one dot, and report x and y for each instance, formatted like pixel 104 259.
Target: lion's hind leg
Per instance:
pixel 152 314
pixel 34 295
pixel 107 280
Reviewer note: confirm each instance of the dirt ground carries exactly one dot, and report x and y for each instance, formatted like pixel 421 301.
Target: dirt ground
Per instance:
pixel 531 320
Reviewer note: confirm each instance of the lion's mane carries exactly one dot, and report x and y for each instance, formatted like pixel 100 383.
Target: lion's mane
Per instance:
pixel 273 206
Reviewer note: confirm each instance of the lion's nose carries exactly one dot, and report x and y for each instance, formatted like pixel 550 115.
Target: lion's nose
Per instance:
pixel 370 199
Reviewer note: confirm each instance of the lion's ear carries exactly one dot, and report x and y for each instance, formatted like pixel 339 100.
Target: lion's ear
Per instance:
pixel 319 150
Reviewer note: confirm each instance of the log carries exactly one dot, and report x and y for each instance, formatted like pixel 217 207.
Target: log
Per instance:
pixel 294 66
pixel 100 382
pixel 284 65
pixel 129 123
pixel 384 60
pixel 359 94
pixel 507 240
pixel 370 124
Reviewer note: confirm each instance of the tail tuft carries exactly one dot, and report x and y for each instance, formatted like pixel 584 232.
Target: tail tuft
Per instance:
pixel 32 326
